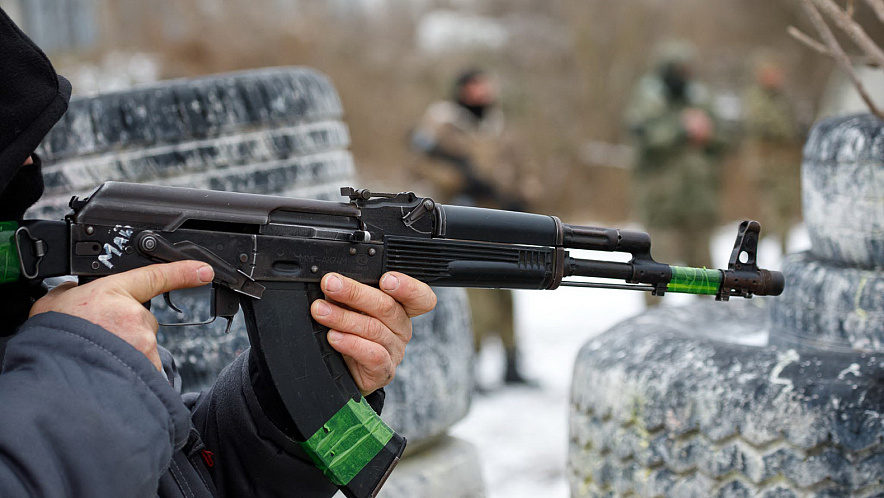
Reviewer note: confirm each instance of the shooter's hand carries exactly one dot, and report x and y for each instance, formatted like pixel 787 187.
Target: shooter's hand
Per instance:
pixel 370 326
pixel 114 302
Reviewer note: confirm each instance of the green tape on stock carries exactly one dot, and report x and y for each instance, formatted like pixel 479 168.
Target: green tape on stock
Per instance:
pixel 694 280
pixel 9 272
pixel 345 444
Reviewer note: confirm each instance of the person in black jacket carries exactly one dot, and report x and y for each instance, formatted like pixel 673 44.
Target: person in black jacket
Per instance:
pixel 90 406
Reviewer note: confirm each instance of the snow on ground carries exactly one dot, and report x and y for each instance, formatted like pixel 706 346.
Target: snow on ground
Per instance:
pixel 522 433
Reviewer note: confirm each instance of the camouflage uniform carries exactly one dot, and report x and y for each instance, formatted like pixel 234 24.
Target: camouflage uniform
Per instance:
pixel 459 151
pixel 465 160
pixel 771 154
pixel 675 181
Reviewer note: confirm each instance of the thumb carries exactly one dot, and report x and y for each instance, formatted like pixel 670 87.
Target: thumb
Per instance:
pixel 147 282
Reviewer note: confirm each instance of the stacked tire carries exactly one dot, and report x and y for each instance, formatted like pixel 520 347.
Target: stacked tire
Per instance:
pixel 270 131
pixel 776 397
pixel 842 277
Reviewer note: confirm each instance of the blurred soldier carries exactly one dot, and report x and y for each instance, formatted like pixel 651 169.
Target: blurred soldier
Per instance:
pixel 679 148
pixel 466 161
pixel 771 150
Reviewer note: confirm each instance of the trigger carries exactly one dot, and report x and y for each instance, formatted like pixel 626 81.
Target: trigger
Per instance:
pixel 225 304
pixel 168 298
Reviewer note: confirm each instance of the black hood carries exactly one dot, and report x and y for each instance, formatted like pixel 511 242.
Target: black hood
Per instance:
pixel 32 99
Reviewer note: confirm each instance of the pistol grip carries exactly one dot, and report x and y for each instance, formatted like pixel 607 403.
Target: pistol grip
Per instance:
pixel 347 440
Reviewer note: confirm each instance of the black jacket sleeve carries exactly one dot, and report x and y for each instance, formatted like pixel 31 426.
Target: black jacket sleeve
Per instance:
pixel 82 413
pixel 252 456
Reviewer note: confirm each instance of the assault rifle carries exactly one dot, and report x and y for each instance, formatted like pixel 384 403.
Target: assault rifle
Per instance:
pixel 269 254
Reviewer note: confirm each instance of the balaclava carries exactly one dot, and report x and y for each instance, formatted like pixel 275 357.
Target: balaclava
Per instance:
pixel 32 99
pixel 467 77
pixel 675 80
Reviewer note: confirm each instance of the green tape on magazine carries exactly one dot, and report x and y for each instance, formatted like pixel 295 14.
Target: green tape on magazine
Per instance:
pixel 345 444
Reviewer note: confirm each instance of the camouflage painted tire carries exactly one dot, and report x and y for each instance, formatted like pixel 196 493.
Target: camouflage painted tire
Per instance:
pixel 829 307
pixel 266 131
pixel 660 409
pixel 843 190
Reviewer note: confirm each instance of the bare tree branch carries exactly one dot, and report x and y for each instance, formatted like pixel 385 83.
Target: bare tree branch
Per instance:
pixel 838 53
pixel 850 8
pixel 809 42
pixel 805 39
pixel 878 7
pixel 852 29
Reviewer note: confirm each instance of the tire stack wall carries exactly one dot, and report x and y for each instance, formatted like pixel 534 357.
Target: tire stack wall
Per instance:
pixel 272 131
pixel 777 397
pixel 835 299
